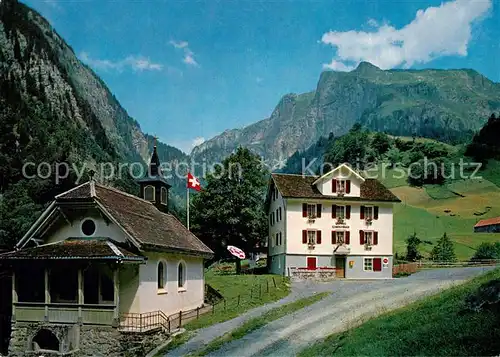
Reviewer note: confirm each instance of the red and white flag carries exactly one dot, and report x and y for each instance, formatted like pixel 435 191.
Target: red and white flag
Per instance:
pixel 192 182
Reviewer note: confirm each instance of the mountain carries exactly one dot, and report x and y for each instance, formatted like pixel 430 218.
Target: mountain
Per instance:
pixel 448 105
pixel 54 109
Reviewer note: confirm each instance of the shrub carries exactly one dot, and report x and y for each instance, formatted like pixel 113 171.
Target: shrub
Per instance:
pixel 487 251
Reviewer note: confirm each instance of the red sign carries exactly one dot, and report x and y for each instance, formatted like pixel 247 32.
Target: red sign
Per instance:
pixel 385 261
pixel 237 252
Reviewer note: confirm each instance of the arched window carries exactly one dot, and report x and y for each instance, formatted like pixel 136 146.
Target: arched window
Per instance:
pixel 162 273
pixel 149 193
pixel 45 340
pixel 181 275
pixel 163 196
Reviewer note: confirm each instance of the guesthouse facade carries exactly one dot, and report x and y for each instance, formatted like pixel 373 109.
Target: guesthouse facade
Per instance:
pixel 339 224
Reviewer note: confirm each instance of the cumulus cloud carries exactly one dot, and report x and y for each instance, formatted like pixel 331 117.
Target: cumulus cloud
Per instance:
pixel 188 54
pixel 434 32
pixel 136 63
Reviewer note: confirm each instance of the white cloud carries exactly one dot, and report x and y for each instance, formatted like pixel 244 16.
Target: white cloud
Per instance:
pixel 136 63
pixel 339 66
pixel 189 59
pixel 259 79
pixel 187 145
pixel 433 33
pixel 188 54
pixel 372 22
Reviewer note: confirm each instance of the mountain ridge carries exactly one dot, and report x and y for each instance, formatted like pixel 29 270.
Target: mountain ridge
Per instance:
pixel 445 104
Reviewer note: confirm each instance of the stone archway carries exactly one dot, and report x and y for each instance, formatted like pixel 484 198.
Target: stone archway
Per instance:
pixel 45 340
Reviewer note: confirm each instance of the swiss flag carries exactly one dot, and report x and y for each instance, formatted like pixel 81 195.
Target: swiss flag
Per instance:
pixel 192 182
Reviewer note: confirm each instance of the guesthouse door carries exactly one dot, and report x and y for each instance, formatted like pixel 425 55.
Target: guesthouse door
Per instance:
pixel 340 267
pixel 311 263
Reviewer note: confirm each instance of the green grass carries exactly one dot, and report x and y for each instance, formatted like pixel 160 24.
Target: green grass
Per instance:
pixel 439 192
pixel 435 326
pixel 247 287
pixel 258 322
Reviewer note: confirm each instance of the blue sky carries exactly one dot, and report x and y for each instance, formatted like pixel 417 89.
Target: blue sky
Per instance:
pixel 188 70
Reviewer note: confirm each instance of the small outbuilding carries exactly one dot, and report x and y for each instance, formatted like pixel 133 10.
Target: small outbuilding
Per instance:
pixel 490 225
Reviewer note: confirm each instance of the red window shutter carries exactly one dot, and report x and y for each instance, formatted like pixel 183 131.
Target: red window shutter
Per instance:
pixel 377 264
pixel 334 185
pixel 334 237
pixel 348 212
pixel 334 211
pixel 361 237
pixel 304 210
pixel 375 238
pixel 347 237
pixel 348 186
pixel 362 212
pixel 318 237
pixel 375 212
pixel 304 236
pixel 318 210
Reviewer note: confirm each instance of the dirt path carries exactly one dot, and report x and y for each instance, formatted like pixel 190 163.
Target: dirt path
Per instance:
pixel 349 301
pixel 339 311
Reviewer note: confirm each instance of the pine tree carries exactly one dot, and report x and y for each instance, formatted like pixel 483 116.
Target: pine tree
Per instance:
pixel 412 248
pixel 443 251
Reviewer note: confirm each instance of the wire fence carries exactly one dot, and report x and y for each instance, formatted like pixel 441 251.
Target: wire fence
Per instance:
pixel 257 292
pixel 404 267
pixel 214 303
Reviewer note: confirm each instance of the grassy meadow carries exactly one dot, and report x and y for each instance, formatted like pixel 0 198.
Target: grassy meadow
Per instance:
pixel 436 326
pixel 454 208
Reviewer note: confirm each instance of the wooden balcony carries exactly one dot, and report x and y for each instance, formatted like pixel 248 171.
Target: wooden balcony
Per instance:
pixel 65 313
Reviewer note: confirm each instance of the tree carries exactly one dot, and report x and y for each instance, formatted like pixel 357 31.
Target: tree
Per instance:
pixel 412 246
pixel 395 156
pixel 443 251
pixel 350 148
pixel 381 143
pixel 487 251
pixel 230 208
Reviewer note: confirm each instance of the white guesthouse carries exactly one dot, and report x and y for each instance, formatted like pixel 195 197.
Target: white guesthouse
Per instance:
pixel 100 263
pixel 338 224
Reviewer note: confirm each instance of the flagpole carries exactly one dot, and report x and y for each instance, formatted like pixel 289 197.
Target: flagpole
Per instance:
pixel 187 207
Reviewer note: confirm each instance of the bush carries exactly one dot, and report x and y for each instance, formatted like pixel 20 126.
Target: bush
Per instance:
pixel 487 251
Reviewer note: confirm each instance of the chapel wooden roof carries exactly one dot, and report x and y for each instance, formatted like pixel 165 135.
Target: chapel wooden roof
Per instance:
pixel 140 219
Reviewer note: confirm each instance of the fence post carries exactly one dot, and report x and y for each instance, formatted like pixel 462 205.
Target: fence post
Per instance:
pixel 260 290
pixel 225 305
pixel 251 292
pixel 274 282
pixel 213 309
pixel 267 285
pixel 239 299
pixel 197 313
pixel 180 319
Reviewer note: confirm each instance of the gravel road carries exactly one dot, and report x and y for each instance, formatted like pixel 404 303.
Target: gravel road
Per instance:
pixel 349 303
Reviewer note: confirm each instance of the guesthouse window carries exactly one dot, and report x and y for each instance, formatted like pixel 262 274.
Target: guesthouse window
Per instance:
pixel 163 196
pixel 368 212
pixel 181 275
pixel 368 264
pixel 340 237
pixel 161 275
pixel 311 237
pixel 340 186
pixel 149 193
pixel 340 212
pixel 311 210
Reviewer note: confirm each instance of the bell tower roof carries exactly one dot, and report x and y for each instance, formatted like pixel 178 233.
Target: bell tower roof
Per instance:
pixel 153 186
